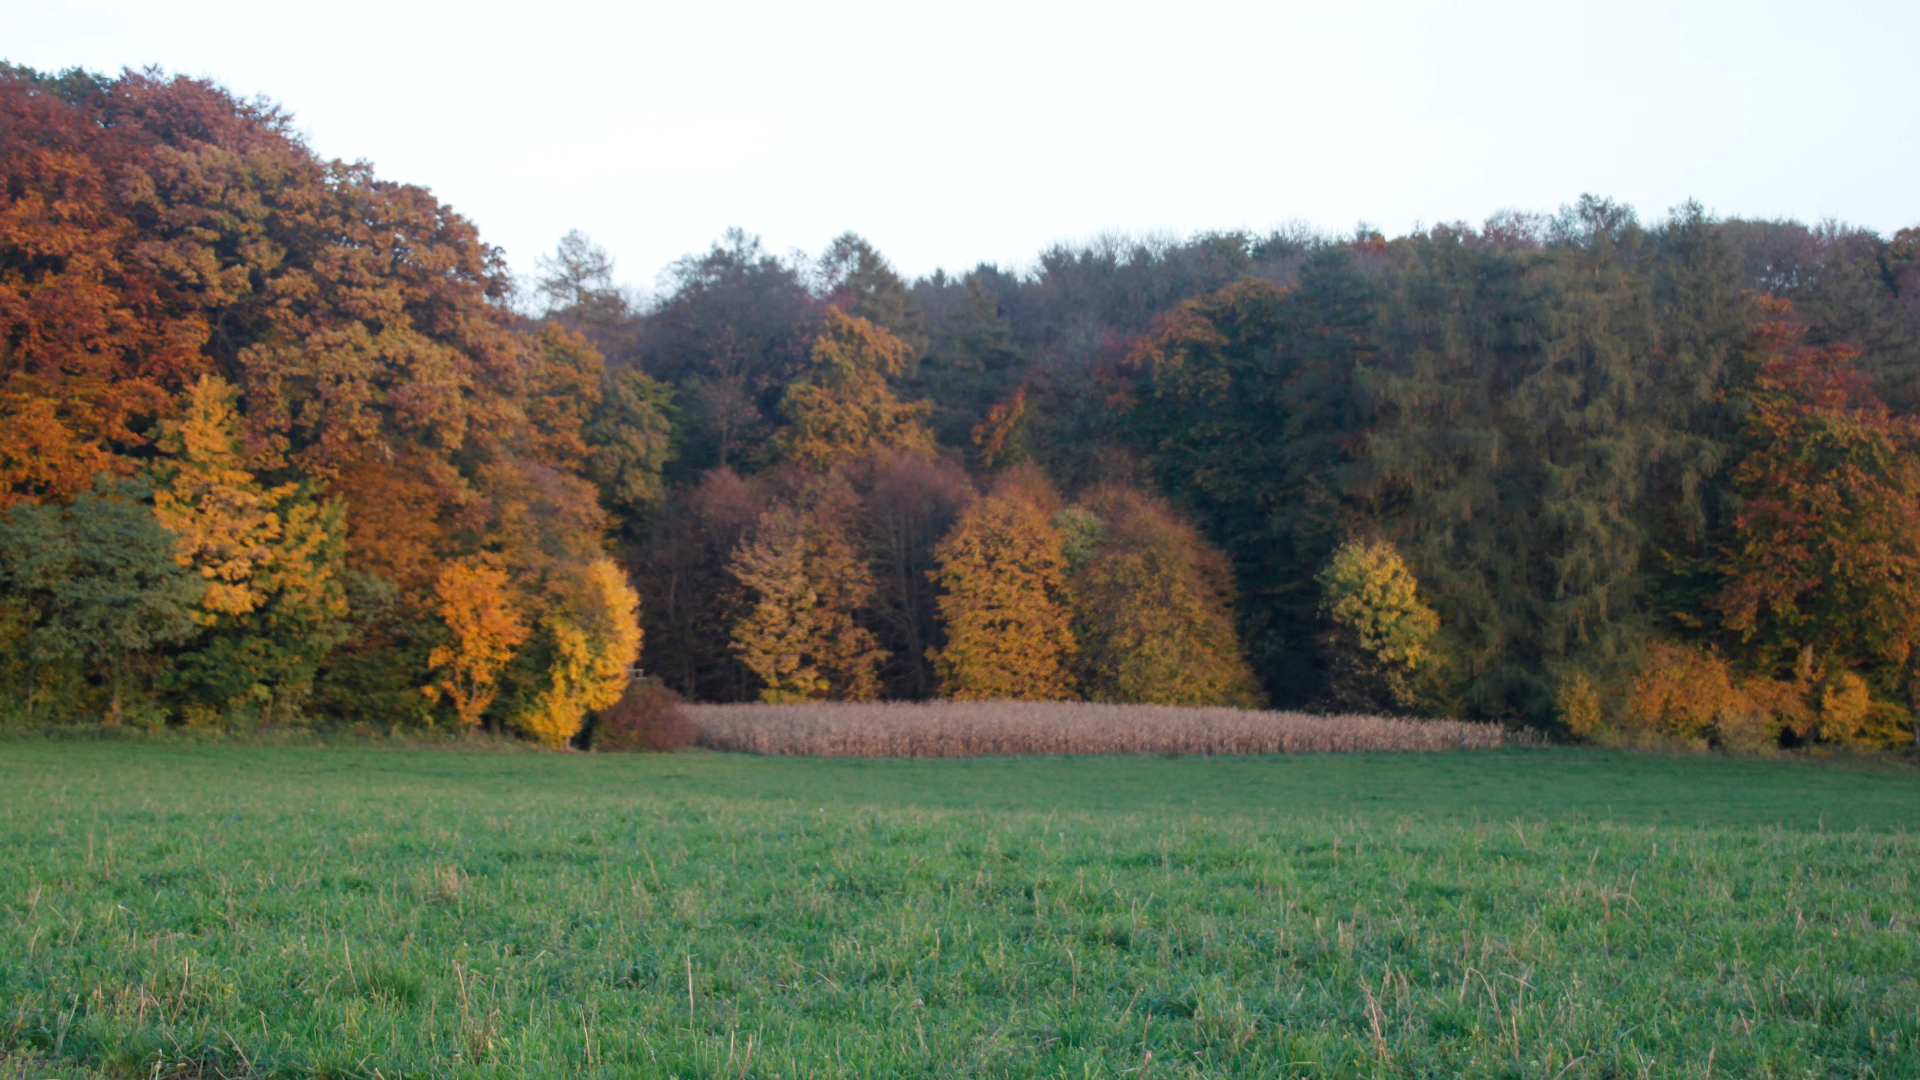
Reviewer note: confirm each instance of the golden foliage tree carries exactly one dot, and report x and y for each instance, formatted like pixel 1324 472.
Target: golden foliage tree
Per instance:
pixel 1004 602
pixel 1152 607
pixel 1382 638
pixel 271 558
pixel 485 627
pixel 595 628
pixel 225 520
pixel 841 406
pixel 806 582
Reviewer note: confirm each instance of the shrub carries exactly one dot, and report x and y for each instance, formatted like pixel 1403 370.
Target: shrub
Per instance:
pixel 1691 696
pixel 647 717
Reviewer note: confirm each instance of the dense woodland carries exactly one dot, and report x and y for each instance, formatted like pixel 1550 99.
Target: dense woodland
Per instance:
pixel 282 442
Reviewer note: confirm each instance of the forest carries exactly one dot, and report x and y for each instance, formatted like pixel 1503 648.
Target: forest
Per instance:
pixel 284 443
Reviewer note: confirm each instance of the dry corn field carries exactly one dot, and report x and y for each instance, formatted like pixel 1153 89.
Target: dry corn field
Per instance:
pixel 978 728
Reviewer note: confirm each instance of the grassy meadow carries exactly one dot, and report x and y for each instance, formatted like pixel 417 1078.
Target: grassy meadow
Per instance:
pixel 179 910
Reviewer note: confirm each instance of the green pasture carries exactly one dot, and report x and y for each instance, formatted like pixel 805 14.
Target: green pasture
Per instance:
pixel 179 910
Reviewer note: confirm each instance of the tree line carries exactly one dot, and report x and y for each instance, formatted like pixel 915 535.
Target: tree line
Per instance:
pixel 284 441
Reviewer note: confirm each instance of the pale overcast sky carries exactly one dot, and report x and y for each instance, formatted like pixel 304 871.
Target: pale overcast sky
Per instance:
pixel 957 133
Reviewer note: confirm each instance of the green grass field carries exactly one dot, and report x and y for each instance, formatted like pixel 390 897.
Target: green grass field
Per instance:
pixel 223 910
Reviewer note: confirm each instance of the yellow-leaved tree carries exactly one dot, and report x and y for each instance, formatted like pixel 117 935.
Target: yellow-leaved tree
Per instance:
pixel 1153 608
pixel 484 626
pixel 272 559
pixel 595 625
pixel 548 531
pixel 1003 605
pixel 1381 641
pixel 805 581
pixel 841 405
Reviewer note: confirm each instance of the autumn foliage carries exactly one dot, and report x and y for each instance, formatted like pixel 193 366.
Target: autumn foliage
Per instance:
pixel 1004 603
pixel 1153 611
pixel 282 442
pixel 484 628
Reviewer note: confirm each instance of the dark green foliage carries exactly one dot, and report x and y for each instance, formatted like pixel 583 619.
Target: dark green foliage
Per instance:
pixel 630 435
pixel 1249 412
pixel 1548 411
pixel 97 582
pixel 737 327
pixel 856 279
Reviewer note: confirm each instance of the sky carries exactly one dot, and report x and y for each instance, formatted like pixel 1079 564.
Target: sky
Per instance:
pixel 953 134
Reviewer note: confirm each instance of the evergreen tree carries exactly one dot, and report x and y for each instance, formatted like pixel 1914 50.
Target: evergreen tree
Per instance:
pixel 856 279
pixel 631 441
pixel 681 566
pixel 973 365
pixel 910 501
pixel 735 329
pixel 1251 419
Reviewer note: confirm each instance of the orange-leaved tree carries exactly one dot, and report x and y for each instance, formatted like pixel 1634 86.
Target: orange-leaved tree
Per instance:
pixel 1822 572
pixel 1004 606
pixel 272 559
pixel 485 627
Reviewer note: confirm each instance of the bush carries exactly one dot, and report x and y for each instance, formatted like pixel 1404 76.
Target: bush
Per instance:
pixel 648 717
pixel 1693 697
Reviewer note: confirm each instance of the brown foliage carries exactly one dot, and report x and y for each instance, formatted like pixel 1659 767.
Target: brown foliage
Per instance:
pixel 649 716
pixel 1826 552
pixel 161 229
pixel 911 501
pixel 396 526
pixel 562 389
pixel 692 601
pixel 974 729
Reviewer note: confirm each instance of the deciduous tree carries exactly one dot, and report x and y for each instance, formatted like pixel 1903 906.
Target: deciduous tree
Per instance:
pixel 484 627
pixel 98 580
pixel 842 406
pixel 1003 605
pixel 1153 610
pixel 805 581
pixel 1382 637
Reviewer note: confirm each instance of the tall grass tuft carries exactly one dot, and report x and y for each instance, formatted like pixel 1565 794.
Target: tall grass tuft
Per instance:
pixel 980 728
